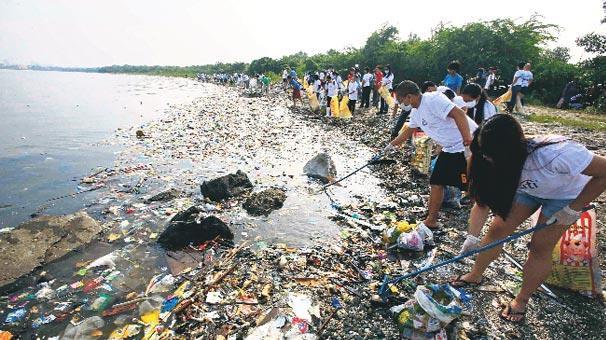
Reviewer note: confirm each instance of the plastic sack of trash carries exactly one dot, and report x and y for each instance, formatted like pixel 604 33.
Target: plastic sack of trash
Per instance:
pixel 411 241
pixel 575 259
pixel 423 149
pixel 504 98
pixel 313 99
pixel 386 95
pixel 343 108
pixel 433 308
pixel 334 107
pixel 390 236
pixel 416 239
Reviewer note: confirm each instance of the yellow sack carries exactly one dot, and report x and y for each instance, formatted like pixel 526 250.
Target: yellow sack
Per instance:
pixel 313 100
pixel 384 92
pixel 343 108
pixel 504 98
pixel 334 106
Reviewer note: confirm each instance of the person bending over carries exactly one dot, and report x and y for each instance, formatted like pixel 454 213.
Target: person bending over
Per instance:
pixel 514 176
pixel 449 127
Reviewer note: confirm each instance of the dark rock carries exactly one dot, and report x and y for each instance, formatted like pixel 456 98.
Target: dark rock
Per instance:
pixel 140 134
pixel 190 227
pixel 264 202
pixel 226 186
pixel 165 195
pixel 321 167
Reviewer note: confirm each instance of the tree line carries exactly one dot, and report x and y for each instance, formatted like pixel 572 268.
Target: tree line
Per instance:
pixel 500 43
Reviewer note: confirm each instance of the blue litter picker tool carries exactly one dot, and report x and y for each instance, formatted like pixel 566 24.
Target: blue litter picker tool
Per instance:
pixel 386 281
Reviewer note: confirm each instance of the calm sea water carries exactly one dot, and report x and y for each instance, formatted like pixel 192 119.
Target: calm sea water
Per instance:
pixel 51 124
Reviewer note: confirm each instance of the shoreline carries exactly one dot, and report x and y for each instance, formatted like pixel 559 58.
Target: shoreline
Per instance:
pixel 338 268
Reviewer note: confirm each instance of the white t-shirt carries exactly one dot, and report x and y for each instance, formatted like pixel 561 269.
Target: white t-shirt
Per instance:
pixel 340 82
pixel 555 171
pixel 352 89
pixel 489 110
pixel 317 85
pixel 490 80
pixel 387 81
pixel 432 117
pixel 525 77
pixel 366 80
pixel 459 102
pixel 331 89
pixel 518 75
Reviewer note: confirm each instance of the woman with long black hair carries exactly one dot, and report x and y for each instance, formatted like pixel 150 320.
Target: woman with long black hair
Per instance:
pixel 514 176
pixel 479 108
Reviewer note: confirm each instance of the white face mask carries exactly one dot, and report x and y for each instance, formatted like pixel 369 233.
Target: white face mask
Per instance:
pixel 471 104
pixel 407 107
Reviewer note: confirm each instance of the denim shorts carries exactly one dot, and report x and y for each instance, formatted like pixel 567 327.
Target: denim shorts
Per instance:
pixel 548 206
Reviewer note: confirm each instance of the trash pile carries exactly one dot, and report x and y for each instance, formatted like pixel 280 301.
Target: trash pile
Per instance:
pixel 211 229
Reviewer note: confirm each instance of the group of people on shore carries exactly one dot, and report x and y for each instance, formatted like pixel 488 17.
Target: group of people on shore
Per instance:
pixel 256 82
pixel 488 156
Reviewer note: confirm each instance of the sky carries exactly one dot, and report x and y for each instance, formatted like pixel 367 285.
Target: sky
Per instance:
pixel 185 32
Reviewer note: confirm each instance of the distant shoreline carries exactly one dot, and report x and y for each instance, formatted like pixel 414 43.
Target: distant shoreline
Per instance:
pixel 164 71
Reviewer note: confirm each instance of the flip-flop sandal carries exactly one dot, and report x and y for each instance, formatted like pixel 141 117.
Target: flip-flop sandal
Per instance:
pixel 510 312
pixel 458 282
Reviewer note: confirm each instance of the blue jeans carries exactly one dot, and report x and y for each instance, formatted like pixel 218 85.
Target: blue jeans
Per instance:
pixel 548 206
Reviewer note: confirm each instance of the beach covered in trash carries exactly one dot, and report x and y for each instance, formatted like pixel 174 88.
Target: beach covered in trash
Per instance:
pixel 276 257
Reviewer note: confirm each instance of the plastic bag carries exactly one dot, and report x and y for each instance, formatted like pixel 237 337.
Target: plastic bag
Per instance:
pixel 411 241
pixel 575 258
pixel 384 92
pixel 334 107
pixel 504 98
pixel 106 260
pixel 432 309
pixel 416 239
pixel 390 235
pixel 313 99
pixel 423 148
pixel 344 109
pixel 84 330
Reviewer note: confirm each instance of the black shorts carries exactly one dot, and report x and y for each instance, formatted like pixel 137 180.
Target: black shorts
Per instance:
pixel 524 90
pixel 450 169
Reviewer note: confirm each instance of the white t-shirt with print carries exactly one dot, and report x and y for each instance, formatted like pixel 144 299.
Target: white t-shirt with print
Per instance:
pixel 352 89
pixel 526 77
pixel 518 75
pixel 387 81
pixel 555 171
pixel 432 117
pixel 366 80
